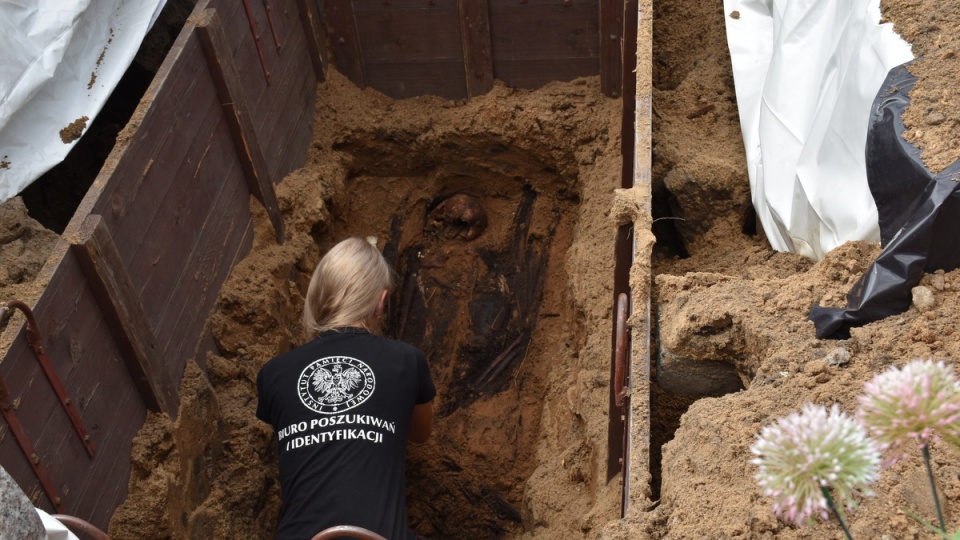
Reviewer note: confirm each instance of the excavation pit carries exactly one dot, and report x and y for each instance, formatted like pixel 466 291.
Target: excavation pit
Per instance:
pixel 495 215
pixel 476 228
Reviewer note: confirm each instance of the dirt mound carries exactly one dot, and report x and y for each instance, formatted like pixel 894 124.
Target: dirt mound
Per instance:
pixel 24 247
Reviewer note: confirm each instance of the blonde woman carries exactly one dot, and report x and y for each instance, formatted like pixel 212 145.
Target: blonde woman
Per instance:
pixel 345 403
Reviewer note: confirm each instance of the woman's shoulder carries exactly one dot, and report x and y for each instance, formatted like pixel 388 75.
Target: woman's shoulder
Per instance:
pixel 400 347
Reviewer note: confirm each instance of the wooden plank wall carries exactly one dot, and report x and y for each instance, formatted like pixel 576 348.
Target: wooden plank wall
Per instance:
pixel 455 49
pixel 173 200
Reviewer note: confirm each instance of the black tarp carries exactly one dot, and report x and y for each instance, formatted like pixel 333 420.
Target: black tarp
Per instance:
pixel 919 217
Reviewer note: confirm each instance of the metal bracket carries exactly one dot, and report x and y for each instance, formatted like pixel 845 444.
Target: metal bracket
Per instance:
pixel 9 411
pixel 256 38
pixel 273 29
pixel 620 379
pixel 10 415
pixel 35 339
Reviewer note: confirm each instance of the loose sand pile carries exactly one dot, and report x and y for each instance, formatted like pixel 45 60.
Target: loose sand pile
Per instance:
pixel 24 247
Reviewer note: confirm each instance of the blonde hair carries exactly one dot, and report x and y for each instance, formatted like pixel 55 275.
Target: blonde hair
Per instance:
pixel 346 287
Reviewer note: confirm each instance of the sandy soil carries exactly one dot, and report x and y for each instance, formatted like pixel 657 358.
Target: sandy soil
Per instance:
pixel 24 247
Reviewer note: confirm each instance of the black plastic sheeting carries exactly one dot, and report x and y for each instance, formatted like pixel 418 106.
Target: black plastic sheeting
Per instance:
pixel 919 216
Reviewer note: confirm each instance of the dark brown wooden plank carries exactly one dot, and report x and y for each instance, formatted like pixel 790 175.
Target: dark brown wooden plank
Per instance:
pixel 120 304
pixel 289 139
pixel 128 200
pixel 316 35
pixel 68 318
pixel 344 40
pixel 105 484
pixel 229 88
pixel 477 48
pixel 399 32
pixel 294 137
pixel 208 264
pixel 534 73
pixel 109 467
pixel 235 24
pixel 542 41
pixel 291 98
pixel 407 79
pixel 173 239
pixel 611 46
pixel 129 159
pixel 96 377
pixel 104 409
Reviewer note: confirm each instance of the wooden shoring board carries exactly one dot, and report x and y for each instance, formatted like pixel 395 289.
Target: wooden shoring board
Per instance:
pixel 119 301
pixel 316 34
pixel 139 189
pixel 344 39
pixel 412 47
pixel 216 48
pixel 540 41
pixel 612 45
pixel 81 348
pixel 477 48
pixel 285 101
pixel 208 255
pixel 283 119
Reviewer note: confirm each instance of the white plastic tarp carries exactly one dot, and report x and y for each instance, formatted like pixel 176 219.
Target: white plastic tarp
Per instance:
pixel 806 73
pixel 61 60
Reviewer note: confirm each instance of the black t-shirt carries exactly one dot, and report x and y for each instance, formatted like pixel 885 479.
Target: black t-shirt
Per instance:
pixel 341 408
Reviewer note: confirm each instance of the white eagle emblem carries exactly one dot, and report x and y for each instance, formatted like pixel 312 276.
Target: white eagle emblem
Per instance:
pixel 336 384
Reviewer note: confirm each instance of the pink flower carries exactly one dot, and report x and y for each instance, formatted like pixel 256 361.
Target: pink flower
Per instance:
pixel 804 452
pixel 919 403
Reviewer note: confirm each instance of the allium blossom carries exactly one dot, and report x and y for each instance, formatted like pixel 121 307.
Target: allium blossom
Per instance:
pixel 806 451
pixel 920 402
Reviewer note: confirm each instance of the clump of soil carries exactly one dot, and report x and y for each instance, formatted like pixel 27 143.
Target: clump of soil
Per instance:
pixel 74 130
pixel 934 112
pixel 24 248
pixel 513 315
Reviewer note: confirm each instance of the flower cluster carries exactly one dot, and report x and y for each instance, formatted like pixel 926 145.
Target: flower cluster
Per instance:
pixel 807 460
pixel 804 452
pixel 920 403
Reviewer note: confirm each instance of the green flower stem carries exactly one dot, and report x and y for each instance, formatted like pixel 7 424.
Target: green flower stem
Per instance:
pixel 925 449
pixel 836 512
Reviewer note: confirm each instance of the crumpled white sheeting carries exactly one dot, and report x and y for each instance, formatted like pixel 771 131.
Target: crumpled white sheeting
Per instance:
pixel 806 74
pixel 61 60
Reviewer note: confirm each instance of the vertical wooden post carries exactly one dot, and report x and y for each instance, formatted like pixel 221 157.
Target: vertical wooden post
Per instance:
pixel 316 37
pixel 611 43
pixel 345 40
pixel 226 77
pixel 121 307
pixel 477 49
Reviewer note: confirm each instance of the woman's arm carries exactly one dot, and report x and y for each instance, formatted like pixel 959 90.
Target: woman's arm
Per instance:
pixel 421 422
